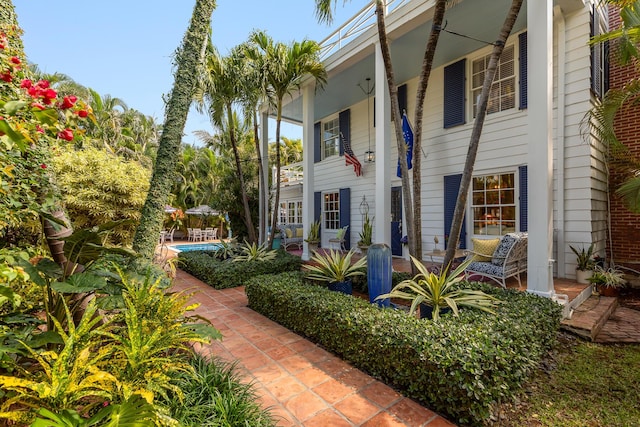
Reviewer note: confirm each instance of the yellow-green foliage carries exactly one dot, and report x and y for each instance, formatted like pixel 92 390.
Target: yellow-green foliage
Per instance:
pixel 98 187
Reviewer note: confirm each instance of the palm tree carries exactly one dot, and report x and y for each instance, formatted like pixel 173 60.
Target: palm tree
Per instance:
pixel 412 199
pixel 189 60
pixel 282 70
pixel 602 118
pixel 220 91
pixel 478 123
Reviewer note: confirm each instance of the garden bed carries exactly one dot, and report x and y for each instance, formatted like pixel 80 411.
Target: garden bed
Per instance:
pixel 461 367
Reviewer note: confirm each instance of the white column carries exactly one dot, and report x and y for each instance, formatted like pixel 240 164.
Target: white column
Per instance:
pixel 307 163
pixel 382 192
pixel 540 157
pixel 264 187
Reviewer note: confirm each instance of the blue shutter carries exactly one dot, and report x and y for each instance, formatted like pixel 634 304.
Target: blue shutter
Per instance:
pixel 317 208
pixel 345 215
pixel 451 189
pixel 454 87
pixel 522 48
pixel 344 123
pixel 524 198
pixel 402 99
pixel 317 142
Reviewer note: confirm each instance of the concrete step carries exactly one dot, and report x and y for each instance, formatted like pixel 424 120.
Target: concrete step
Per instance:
pixel 589 318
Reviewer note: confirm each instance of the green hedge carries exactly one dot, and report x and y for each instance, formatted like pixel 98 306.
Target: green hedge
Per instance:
pixel 227 274
pixel 460 366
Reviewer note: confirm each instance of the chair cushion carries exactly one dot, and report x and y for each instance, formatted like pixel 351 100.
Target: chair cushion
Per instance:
pixel 299 232
pixel 503 248
pixel 288 232
pixel 484 248
pixel 340 233
pixel 485 267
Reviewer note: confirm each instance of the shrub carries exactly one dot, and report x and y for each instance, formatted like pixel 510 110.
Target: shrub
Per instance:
pixel 459 366
pixel 221 274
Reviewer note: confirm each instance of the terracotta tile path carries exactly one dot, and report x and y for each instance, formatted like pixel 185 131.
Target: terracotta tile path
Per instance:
pixel 301 383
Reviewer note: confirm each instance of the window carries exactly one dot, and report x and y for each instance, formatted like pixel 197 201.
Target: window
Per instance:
pixel 291 212
pixel 599 52
pixel 503 90
pixel 493 208
pixel 330 138
pixel 331 211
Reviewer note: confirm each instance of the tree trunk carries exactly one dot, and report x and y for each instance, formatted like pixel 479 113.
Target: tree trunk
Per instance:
pixel 236 155
pixel 276 207
pixel 262 223
pixel 189 58
pixel 423 82
pixel 474 142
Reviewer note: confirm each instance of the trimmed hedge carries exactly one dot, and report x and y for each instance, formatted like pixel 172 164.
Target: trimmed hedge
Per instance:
pixel 221 274
pixel 460 366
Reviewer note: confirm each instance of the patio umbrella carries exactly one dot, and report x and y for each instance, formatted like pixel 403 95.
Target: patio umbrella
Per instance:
pixel 202 210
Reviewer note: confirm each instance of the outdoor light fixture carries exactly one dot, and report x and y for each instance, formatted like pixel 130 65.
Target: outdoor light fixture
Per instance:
pixel 369 155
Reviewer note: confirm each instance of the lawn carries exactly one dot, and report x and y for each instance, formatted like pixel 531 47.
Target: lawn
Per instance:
pixel 580 384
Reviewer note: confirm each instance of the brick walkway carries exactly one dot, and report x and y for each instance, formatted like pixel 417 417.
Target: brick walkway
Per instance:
pixel 301 383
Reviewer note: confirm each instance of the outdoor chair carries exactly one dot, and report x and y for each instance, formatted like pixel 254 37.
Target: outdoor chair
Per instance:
pixel 508 260
pixel 339 240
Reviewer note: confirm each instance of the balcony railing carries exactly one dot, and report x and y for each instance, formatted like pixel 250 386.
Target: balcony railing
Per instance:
pixel 289 174
pixel 360 22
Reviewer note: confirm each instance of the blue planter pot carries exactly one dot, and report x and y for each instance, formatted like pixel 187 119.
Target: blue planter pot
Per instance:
pixel 344 287
pixel 426 311
pixel 277 241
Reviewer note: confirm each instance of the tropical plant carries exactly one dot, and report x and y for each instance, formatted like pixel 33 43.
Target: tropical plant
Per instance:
pixel 366 235
pixel 189 61
pixel 439 291
pixel 609 278
pixel 226 249
pixel 478 124
pixel 313 236
pixel 254 252
pixel 282 69
pixel 412 200
pixel 334 266
pixel 584 258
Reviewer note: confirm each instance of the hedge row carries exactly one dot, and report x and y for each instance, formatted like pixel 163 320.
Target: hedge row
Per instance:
pixel 222 274
pixel 460 366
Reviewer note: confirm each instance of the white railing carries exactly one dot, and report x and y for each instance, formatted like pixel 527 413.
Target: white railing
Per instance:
pixel 360 22
pixel 289 174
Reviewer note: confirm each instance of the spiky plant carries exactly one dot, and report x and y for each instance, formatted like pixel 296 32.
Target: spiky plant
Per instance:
pixel 334 266
pixel 254 252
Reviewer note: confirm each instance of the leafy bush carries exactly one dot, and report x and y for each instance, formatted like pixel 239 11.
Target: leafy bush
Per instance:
pixel 213 394
pixel 226 274
pixel 458 366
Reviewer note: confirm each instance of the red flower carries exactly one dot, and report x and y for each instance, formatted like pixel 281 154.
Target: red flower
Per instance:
pixel 66 134
pixel 15 59
pixel 68 101
pixel 42 84
pixel 37 105
pixel 6 76
pixel 48 95
pixel 43 166
pixel 26 83
pixel 82 113
pixel 39 129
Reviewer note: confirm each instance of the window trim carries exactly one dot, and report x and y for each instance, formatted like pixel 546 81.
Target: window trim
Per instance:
pixel 328 223
pixel 333 118
pixel 515 171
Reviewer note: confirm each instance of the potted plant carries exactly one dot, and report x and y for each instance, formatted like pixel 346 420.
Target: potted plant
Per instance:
pixel 585 263
pixel 335 268
pixel 366 235
pixel 313 237
pixel 277 238
pixel 608 281
pixel 437 291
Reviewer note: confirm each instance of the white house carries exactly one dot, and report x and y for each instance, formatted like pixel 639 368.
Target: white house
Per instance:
pixel 535 170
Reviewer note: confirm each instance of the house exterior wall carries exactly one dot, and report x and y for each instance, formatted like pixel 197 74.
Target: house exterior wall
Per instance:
pixel 579 183
pixel 625 229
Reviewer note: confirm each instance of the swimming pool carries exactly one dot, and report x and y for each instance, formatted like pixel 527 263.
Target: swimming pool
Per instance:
pixel 195 247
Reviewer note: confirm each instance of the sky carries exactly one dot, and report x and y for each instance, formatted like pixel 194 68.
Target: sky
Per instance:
pixel 124 48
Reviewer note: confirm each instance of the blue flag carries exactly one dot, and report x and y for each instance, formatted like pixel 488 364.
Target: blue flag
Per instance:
pixel 407 132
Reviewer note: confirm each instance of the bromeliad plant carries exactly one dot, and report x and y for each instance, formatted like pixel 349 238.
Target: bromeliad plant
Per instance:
pixel 313 236
pixel 366 235
pixel 254 252
pixel 334 266
pixel 584 258
pixel 439 291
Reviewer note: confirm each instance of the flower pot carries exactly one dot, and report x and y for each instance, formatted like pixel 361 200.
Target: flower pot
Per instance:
pixel 344 287
pixel 583 276
pixel 364 250
pixel 426 311
pixel 277 241
pixel 313 247
pixel 608 291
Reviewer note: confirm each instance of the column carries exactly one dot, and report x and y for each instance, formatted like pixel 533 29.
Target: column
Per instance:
pixel 382 192
pixel 308 164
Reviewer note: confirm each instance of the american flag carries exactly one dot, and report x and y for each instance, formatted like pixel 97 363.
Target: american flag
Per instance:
pixel 349 157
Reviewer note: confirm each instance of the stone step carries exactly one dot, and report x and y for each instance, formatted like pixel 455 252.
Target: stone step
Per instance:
pixel 589 318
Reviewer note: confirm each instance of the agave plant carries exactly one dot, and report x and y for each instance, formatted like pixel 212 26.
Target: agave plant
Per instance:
pixel 334 266
pixel 438 290
pixel 254 252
